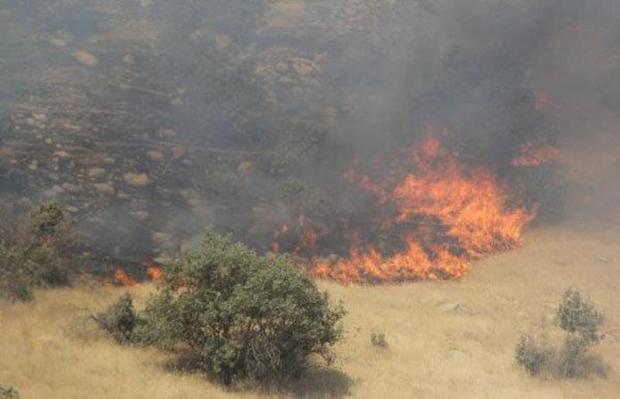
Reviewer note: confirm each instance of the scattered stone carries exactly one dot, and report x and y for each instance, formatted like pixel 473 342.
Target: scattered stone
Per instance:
pixel 54 191
pixel 140 215
pixel 178 152
pixel 85 58
pixel 156 156
pixel 167 133
pixel 161 237
pixel 96 172
pixel 72 188
pixel 58 42
pixel 223 41
pixel 245 168
pixel 105 188
pixel 137 179
pixel 62 154
pixel 129 59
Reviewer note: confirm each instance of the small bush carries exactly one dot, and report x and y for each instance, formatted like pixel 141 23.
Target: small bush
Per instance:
pixel 120 320
pixel 239 314
pixel 580 322
pixel 378 339
pixel 8 392
pixel 577 316
pixel 534 356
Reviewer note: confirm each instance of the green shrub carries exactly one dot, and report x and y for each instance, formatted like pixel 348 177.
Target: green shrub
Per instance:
pixel 378 339
pixel 8 392
pixel 577 316
pixel 241 315
pixel 534 356
pixel 36 249
pixel 120 320
pixel 580 323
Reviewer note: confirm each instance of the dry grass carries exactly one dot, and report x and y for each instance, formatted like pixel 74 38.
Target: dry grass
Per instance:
pixel 435 351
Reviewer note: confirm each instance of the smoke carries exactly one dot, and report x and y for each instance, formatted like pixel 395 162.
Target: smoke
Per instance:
pixel 244 115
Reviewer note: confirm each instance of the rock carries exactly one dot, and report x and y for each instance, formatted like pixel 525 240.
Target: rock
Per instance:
pixel 137 179
pixel 58 42
pixel 223 41
pixel 140 215
pixel 161 237
pixel 62 154
pixel 245 168
pixel 178 152
pixel 167 133
pixel 96 172
pixel 156 156
pixel 85 58
pixel 72 188
pixel 54 191
pixel 105 188
pixel 129 59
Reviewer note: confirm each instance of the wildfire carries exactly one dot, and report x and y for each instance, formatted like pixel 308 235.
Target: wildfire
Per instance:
pixel 154 272
pixel 123 279
pixel 447 216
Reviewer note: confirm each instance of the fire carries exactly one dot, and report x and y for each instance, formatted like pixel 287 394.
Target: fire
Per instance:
pixel 535 156
pixel 123 279
pixel 447 217
pixel 154 272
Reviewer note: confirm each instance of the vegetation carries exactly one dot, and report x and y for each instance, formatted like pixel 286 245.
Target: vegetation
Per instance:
pixel 580 321
pixel 242 316
pixel 378 339
pixel 36 249
pixel 8 392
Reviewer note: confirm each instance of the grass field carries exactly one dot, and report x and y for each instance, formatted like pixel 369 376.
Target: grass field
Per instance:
pixel 436 349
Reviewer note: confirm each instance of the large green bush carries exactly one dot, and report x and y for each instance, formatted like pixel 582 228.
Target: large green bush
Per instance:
pixel 241 315
pixel 37 248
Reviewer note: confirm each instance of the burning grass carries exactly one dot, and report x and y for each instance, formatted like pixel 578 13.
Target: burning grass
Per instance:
pixel 442 215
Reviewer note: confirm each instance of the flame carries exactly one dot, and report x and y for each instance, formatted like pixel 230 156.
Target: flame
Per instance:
pixel 535 156
pixel 155 273
pixel 123 279
pixel 450 217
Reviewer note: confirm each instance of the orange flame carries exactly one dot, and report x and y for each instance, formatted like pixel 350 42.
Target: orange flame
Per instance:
pixel 123 279
pixel 155 273
pixel 451 217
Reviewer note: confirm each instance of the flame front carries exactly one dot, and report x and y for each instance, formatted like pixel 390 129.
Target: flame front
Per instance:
pixel 123 279
pixel 447 217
